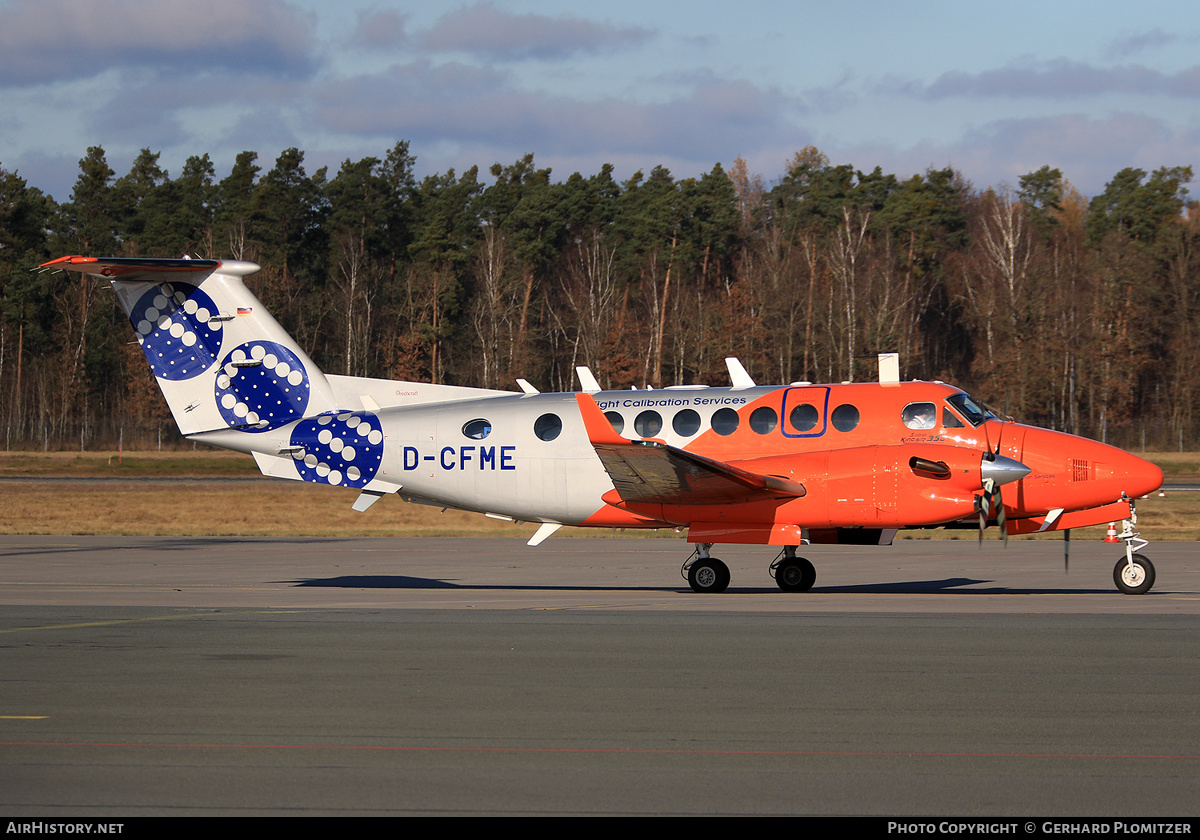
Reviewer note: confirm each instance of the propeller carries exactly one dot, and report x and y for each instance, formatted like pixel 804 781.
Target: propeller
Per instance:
pixel 983 504
pixel 996 470
pixel 987 500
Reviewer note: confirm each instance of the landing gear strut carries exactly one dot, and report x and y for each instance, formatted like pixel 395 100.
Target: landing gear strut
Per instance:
pixel 792 573
pixel 705 574
pixel 1134 573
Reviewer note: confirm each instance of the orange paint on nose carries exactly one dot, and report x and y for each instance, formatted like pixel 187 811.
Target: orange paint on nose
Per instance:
pixel 1074 473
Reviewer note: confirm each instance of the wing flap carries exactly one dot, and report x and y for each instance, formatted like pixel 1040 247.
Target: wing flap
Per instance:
pixel 652 472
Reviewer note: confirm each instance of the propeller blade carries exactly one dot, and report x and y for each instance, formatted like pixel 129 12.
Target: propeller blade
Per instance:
pixel 1000 519
pixel 983 503
pixel 1067 551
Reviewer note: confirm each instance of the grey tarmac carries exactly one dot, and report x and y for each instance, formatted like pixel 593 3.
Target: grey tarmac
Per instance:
pixel 238 676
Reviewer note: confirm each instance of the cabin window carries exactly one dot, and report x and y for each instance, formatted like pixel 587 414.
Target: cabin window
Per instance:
pixel 617 421
pixel 477 429
pixel 686 423
pixel 803 418
pixel 763 420
pixel 725 421
pixel 648 423
pixel 547 427
pixel 922 415
pixel 845 418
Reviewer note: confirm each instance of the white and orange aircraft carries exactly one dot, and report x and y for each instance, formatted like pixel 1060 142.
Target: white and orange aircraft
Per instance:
pixel 786 466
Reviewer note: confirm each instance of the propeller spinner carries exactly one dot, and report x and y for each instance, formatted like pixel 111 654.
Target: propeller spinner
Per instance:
pixel 996 470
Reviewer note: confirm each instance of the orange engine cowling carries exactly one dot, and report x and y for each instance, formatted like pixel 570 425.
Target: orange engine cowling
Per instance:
pixel 887 486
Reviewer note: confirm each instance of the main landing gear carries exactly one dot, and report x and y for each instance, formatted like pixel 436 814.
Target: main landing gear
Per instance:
pixel 708 574
pixel 1134 573
pixel 705 574
pixel 792 573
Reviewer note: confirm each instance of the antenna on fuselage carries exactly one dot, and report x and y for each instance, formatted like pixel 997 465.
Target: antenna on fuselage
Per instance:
pixel 587 379
pixel 889 367
pixel 737 374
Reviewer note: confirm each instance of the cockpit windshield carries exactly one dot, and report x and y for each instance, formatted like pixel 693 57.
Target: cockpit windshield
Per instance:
pixel 969 409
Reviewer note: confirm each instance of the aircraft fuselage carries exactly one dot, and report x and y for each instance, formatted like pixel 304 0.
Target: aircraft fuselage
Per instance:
pixel 530 457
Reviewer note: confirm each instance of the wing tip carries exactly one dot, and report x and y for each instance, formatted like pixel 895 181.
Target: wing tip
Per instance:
pixel 599 430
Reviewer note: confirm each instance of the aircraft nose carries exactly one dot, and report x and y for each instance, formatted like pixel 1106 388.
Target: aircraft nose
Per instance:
pixel 1079 471
pixel 1138 476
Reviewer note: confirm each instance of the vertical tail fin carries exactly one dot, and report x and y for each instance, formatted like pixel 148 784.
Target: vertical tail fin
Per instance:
pixel 219 357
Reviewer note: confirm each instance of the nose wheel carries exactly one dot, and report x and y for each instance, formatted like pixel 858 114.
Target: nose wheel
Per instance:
pixel 1134 573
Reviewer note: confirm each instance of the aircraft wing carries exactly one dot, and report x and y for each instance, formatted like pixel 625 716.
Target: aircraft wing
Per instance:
pixel 652 472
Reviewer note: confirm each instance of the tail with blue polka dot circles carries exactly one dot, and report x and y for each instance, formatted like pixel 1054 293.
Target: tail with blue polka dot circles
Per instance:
pixel 222 362
pixel 234 378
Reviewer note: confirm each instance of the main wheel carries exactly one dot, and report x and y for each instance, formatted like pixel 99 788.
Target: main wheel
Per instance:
pixel 1136 579
pixel 708 575
pixel 795 574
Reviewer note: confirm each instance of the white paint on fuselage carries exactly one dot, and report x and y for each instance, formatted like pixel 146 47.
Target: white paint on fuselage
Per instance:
pixel 511 471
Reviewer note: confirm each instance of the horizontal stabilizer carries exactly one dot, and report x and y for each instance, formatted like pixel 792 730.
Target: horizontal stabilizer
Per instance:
pixel 131 268
pixel 276 466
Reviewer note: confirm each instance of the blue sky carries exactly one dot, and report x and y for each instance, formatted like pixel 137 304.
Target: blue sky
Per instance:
pixel 994 90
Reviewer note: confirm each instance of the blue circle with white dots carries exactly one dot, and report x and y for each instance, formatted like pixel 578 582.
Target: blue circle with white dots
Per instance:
pixel 343 449
pixel 262 385
pixel 172 325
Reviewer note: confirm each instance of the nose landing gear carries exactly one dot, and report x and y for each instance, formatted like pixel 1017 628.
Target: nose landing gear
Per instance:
pixel 1134 573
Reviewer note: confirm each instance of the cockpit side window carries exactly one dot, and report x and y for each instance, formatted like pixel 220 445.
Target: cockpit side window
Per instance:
pixel 921 415
pixel 950 419
pixel 969 409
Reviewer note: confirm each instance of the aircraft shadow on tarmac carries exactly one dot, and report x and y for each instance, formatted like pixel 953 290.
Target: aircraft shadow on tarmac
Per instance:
pixel 946 586
pixel 78 545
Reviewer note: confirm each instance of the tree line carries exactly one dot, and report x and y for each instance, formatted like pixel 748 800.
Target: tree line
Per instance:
pixel 1062 311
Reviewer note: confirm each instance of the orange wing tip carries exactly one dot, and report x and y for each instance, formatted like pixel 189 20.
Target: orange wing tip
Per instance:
pixel 599 430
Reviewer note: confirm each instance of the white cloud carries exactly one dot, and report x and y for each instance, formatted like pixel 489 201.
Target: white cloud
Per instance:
pixel 51 40
pixel 487 32
pixel 1089 151
pixel 463 105
pixel 1062 79
pixel 380 29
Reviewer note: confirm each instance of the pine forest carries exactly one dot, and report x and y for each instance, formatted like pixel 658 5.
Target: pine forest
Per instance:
pixel 1077 313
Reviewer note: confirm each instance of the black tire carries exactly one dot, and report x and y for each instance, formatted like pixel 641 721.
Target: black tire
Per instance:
pixel 708 575
pixel 1136 580
pixel 795 574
